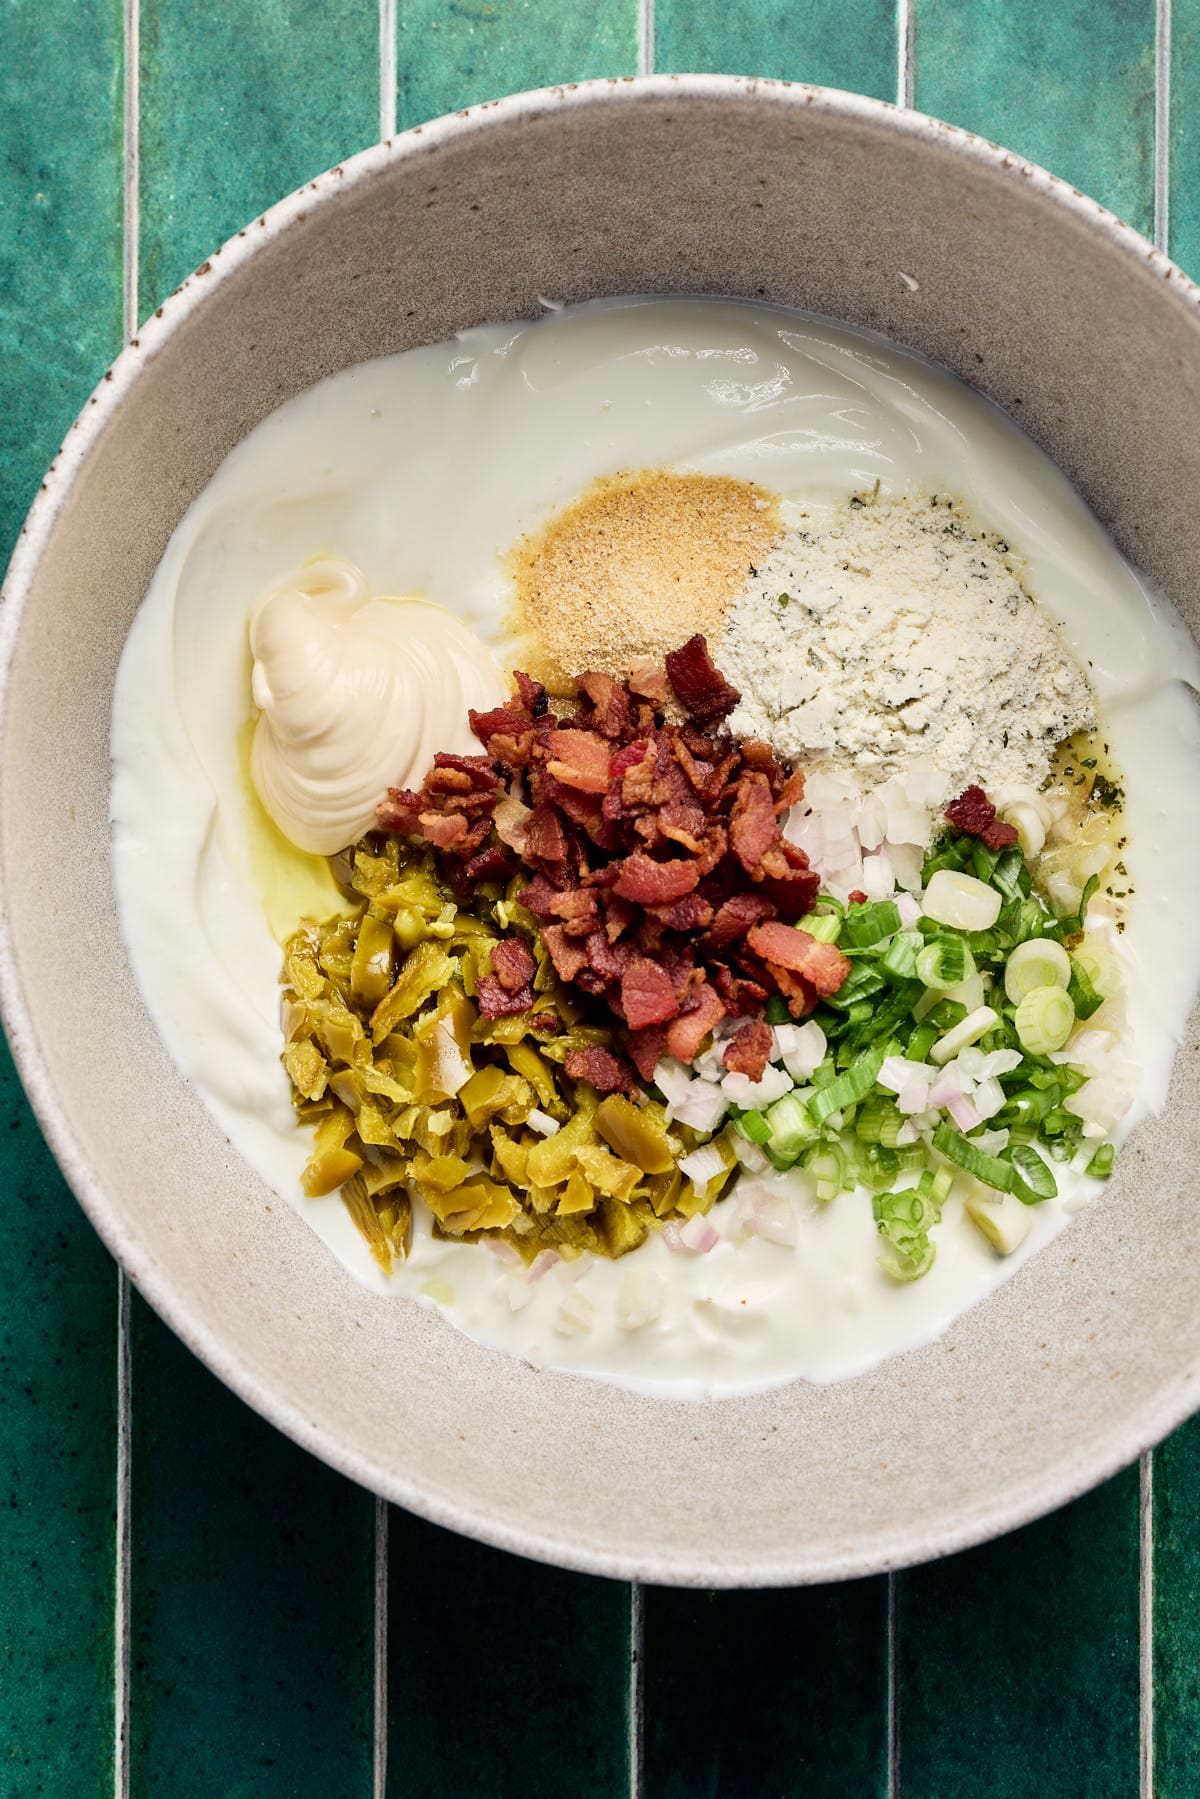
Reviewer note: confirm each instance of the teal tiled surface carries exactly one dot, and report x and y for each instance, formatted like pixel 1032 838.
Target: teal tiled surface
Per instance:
pixel 253 1609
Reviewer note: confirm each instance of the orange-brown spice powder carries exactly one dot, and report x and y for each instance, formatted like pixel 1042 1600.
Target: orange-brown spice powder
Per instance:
pixel 634 567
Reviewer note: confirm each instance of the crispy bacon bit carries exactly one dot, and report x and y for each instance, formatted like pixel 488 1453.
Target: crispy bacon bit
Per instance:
pixel 686 1033
pixel 649 681
pixel 974 814
pixel 495 1000
pixel 782 946
pixel 512 964
pixel 580 759
pixel 752 827
pixel 734 920
pixel 652 853
pixel 647 996
pixel 601 1069
pixel 749 1049
pixel 651 883
pixel 857 897
pixel 545 1021
pixel 444 829
pixel 545 839
pixel 566 953
pixel 700 687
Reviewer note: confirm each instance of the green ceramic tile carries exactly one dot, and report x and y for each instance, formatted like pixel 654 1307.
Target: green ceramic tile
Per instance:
pixel 60 229
pixel 58 1293
pixel 1177 1614
pixel 60 323
pixel 835 43
pixel 1018 1662
pixel 768 1695
pixel 252 1598
pixel 1069 85
pixel 453 53
pixel 1184 212
pixel 509 1680
pixel 240 103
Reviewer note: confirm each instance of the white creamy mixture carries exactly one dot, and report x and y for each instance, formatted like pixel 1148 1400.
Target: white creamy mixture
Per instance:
pixel 423 469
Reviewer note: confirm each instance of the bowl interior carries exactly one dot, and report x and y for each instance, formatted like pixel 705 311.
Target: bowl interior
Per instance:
pixel 707 186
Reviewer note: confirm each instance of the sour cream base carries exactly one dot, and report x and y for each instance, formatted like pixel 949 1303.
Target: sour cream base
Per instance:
pixel 423 469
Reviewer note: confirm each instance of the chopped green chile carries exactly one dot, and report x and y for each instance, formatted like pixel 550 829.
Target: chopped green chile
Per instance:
pixel 413 1091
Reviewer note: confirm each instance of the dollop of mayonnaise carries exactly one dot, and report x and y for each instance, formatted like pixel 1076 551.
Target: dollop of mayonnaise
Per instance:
pixel 355 694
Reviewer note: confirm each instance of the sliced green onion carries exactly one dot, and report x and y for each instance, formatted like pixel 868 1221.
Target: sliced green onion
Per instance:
pixel 991 1170
pixel 850 1087
pixel 865 925
pixel 1044 1020
pixel 983 860
pixel 776 1010
pixel 946 1014
pixel 961 1036
pixel 861 983
pixel 1002 1219
pixel 1039 963
pixel 753 1126
pixel 869 1119
pixel 946 962
pixel 790 1128
pixel 1010 875
pixel 1101 1163
pixel 1074 922
pixel 904 1219
pixel 827 1166
pixel 899 961
pixel 1098 964
pixel 923 1038
pixel 824 926
pixel 1037 1180
pixel 1083 994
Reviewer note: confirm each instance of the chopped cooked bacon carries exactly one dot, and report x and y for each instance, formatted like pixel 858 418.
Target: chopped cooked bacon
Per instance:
pixel 686 1033
pixel 492 864
pixel 822 965
pixel 753 827
pixel 545 839
pixel 495 1000
pixel 652 883
pixel 749 1049
pixel 512 964
pixel 579 759
pixel 649 681
pixel 600 1069
pixel 734 919
pixel 444 829
pixel 700 687
pixel 610 704
pixel 856 897
pixel 647 996
pixel 651 852
pixel 646 1047
pixel 566 953
pixel 545 1021
pixel 973 813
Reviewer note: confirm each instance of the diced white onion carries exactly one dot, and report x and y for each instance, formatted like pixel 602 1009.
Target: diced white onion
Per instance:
pixel 963 1113
pixel 775 1220
pixel 542 1263
pixel 908 1133
pixel 740 1090
pixel 575 1314
pixel 698 1235
pixel 961 901
pixel 991 1142
pixel 704 1107
pixel 898 1072
pixel 909 909
pixel 451 1070
pixel 914 1097
pixel 974 1026
pixel 672 1080
pixel 640 1298
pixel 988 1098
pixel 807 1049
pixel 542 1123
pixel 1101 1102
pixel 702 1165
pixel 750 1156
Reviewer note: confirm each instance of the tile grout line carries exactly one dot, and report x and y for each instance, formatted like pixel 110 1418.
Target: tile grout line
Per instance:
pixel 380 1753
pixel 645 64
pixel 1162 124
pixel 893 1695
pixel 387 69
pixel 637 1691
pixel 1146 1625
pixel 906 26
pixel 122 1531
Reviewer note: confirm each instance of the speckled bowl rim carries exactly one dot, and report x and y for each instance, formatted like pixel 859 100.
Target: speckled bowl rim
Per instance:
pixel 1013 1506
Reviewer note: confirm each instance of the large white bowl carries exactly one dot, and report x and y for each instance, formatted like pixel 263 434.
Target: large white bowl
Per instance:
pixel 705 185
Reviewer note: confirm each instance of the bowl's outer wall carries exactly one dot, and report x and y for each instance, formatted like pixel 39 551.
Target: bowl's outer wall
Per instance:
pixel 785 195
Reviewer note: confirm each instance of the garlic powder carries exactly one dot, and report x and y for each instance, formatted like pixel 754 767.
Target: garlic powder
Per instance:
pixel 886 632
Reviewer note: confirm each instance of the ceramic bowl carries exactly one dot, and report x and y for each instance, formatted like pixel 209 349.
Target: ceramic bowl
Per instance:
pixel 697 184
